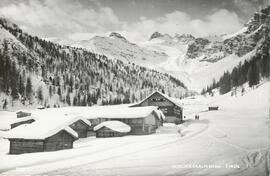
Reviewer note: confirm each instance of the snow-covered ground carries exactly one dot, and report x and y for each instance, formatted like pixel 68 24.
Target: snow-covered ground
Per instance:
pixel 231 141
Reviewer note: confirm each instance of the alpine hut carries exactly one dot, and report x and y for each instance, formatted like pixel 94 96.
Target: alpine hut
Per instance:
pixel 81 126
pixel 42 135
pixel 172 110
pixel 23 113
pixel 142 120
pixel 111 129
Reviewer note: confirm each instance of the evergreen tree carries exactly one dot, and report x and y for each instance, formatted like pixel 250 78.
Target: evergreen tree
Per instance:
pixel 68 99
pixel 40 94
pixel 50 91
pixel 21 86
pixel 59 92
pixel 5 104
pixel 29 89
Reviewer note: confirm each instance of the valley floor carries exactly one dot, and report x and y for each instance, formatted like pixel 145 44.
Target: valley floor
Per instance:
pixel 231 141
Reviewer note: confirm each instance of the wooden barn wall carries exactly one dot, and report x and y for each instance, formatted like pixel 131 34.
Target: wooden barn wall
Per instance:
pixel 23 114
pixel 106 132
pixel 81 128
pixel 178 112
pixel 150 119
pixel 61 140
pixel 19 146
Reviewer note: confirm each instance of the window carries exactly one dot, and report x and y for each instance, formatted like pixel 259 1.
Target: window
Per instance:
pixel 164 110
pixel 153 99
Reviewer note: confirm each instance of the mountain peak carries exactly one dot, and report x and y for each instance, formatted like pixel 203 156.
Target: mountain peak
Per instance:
pixel 155 35
pixel 259 18
pixel 186 38
pixel 117 35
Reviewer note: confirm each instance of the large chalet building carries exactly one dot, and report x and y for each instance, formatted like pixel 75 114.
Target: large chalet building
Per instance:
pixel 170 108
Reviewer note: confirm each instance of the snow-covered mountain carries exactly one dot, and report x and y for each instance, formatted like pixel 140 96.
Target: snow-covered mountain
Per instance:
pixel 115 46
pixel 195 61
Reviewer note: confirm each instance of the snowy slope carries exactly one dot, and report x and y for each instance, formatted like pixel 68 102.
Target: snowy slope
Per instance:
pixel 233 140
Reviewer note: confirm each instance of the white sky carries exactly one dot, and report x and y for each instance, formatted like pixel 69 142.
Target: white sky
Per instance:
pixel 135 19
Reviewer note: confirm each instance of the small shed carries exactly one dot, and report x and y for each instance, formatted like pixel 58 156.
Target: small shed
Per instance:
pixel 21 121
pixel 212 108
pixel 94 122
pixel 23 113
pixel 111 129
pixel 40 136
pixel 81 126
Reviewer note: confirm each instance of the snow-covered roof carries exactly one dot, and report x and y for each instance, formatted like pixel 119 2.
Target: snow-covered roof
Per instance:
pixel 128 113
pixel 45 127
pixel 23 119
pixel 165 96
pixel 23 110
pixel 84 120
pixel 113 112
pixel 114 125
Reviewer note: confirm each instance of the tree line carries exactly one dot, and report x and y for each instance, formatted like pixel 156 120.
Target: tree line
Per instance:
pixel 251 71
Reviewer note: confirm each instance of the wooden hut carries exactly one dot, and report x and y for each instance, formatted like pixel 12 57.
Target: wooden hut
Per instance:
pixel 172 110
pixel 212 108
pixel 81 126
pixel 21 121
pixel 142 120
pixel 23 113
pixel 111 129
pixel 94 122
pixel 39 137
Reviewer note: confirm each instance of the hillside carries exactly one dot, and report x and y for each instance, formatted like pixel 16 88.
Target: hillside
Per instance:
pixel 35 71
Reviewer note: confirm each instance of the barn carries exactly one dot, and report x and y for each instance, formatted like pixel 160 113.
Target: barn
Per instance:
pixel 172 110
pixel 23 113
pixel 94 122
pixel 81 126
pixel 142 120
pixel 40 136
pixel 212 108
pixel 111 129
pixel 21 121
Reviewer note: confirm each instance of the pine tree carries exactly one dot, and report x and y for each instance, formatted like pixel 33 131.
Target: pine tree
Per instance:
pixel 5 104
pixel 21 86
pixel 75 101
pixel 68 99
pixel 50 91
pixel 29 89
pixel 14 85
pixel 40 94
pixel 59 92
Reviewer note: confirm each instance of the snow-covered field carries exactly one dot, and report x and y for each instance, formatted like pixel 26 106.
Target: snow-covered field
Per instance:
pixel 231 141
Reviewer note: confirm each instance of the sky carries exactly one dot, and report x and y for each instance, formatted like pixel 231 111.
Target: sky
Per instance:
pixel 134 19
